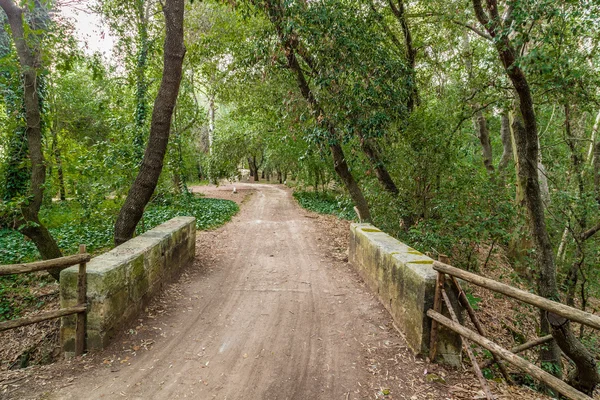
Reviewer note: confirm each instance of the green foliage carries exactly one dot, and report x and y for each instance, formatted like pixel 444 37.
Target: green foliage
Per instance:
pixel 71 224
pixel 326 203
pixel 473 301
pixel 209 213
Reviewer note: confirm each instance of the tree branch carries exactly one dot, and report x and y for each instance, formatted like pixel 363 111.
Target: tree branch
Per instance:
pixel 482 16
pixel 590 232
pixel 484 35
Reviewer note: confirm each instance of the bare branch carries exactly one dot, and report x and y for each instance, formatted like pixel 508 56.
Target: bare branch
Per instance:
pixel 471 27
pixel 590 232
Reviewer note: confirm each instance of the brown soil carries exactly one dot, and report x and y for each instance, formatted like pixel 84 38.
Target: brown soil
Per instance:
pixel 270 309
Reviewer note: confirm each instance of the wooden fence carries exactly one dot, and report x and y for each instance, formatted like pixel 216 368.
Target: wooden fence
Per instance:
pixel 478 337
pixel 80 309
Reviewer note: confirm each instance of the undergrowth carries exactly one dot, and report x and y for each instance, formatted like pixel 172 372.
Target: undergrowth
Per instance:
pixel 326 203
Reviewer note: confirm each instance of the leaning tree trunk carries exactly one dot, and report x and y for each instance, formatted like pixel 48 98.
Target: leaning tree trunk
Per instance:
pixel 585 376
pixel 527 141
pixel 276 15
pixel 29 223
pixel 152 163
pixel 383 176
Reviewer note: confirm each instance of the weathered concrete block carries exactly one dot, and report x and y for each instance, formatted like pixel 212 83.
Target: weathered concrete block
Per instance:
pixel 404 280
pixel 121 281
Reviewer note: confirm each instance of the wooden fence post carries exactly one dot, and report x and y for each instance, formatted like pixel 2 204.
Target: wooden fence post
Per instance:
pixel 81 301
pixel 437 306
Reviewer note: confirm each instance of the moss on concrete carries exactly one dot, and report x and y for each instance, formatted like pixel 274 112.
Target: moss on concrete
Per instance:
pixel 404 281
pixel 370 230
pixel 122 280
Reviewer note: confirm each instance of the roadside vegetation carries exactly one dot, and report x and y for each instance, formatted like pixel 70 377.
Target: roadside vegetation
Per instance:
pixel 326 203
pixel 469 129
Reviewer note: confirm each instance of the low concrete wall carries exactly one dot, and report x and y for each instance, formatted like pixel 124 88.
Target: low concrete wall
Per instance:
pixel 120 282
pixel 404 281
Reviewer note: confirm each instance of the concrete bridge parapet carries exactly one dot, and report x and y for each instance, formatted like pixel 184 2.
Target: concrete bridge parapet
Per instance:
pixel 121 281
pixel 404 281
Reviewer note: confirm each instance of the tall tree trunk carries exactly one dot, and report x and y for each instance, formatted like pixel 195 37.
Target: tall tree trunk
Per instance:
pixel 479 121
pixel 483 134
pixel 276 15
pixel 141 107
pixel 62 192
pixel 29 58
pixel 577 171
pixel 595 158
pixel 211 122
pixel 59 168
pixel 251 167
pixel 528 153
pixel 507 152
pixel 597 171
pixel 152 163
pixel 411 53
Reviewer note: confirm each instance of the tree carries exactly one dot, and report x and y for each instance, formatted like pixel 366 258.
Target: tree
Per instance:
pixel 28 51
pixel 147 178
pixel 275 12
pixel 527 143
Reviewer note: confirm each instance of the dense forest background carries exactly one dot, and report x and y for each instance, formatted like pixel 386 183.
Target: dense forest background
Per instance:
pixel 462 128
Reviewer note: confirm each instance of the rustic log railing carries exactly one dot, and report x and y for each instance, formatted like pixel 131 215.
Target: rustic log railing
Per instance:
pixel 498 352
pixel 80 309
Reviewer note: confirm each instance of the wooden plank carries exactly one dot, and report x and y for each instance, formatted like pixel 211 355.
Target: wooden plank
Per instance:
pixel 15 323
pixel 467 347
pixel 525 346
pixel 570 313
pixel 465 303
pixel 81 299
pixel 437 306
pixel 62 262
pixel 517 361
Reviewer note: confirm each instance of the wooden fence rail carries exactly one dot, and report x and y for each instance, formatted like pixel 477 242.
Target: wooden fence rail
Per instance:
pixel 570 313
pixel 80 309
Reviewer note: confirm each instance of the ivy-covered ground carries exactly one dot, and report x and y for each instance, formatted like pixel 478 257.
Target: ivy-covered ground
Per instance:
pixel 71 225
pixel 326 203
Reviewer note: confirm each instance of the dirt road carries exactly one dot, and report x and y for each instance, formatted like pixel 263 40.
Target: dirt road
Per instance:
pixel 270 315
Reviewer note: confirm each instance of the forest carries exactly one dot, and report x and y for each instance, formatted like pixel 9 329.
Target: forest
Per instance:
pixel 462 128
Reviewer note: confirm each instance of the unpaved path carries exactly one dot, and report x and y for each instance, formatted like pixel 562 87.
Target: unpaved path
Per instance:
pixel 271 315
